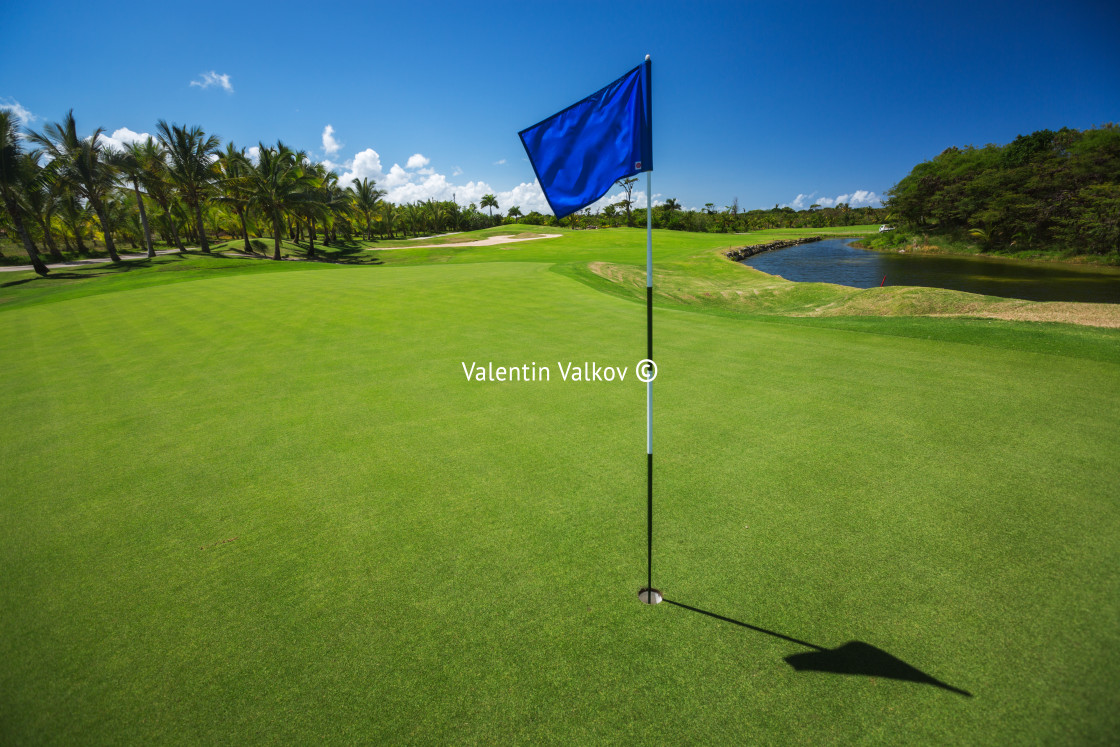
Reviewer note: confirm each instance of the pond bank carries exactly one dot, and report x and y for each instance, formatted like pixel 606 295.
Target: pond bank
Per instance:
pixel 926 245
pixel 739 253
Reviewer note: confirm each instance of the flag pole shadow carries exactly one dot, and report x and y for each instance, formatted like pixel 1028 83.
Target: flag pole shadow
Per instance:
pixel 854 657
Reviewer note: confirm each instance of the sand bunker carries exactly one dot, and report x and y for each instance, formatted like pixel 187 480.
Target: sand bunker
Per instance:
pixel 492 241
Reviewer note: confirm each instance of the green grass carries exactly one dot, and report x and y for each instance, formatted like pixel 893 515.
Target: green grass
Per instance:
pixel 267 506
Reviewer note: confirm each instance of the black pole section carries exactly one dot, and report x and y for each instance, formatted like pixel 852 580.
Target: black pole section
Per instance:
pixel 649 456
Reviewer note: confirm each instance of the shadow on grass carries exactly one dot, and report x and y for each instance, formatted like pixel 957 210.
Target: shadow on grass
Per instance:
pixel 854 657
pixel 336 254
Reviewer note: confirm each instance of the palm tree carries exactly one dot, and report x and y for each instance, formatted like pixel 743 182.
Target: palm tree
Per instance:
pixel 191 167
pixel 233 167
pixel 84 164
pixel 388 216
pixel 366 197
pixel 314 207
pixel 44 193
pixel 489 201
pixel 74 216
pixel 514 212
pixel 278 184
pixel 410 216
pixel 335 201
pixel 13 182
pixel 154 178
pixel 130 161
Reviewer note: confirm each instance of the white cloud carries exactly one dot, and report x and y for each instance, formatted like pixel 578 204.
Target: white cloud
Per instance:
pixel 416 161
pixel 253 153
pixel 330 145
pixel 802 201
pixel 402 185
pixel 500 162
pixel 122 137
pixel 214 79
pixel 364 165
pixel 859 198
pixel 25 116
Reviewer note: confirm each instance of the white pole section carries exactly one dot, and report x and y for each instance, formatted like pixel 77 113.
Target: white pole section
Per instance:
pixel 649 290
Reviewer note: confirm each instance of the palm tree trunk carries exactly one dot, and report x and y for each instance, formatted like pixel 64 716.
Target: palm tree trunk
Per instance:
pixel 201 228
pixel 166 207
pixel 29 247
pixel 175 232
pixel 52 247
pixel 144 219
pixel 276 237
pixel 244 229
pixel 311 237
pixel 109 246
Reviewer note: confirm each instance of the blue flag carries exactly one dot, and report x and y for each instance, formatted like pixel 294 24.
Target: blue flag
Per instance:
pixel 580 152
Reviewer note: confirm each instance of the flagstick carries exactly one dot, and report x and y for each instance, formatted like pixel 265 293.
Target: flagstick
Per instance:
pixel 652 597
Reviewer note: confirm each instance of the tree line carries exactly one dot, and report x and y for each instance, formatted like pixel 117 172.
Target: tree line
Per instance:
pixel 1044 191
pixel 711 219
pixel 60 189
pixel 184 188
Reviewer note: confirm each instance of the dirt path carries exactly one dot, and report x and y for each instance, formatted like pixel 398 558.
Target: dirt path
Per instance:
pixel 83 262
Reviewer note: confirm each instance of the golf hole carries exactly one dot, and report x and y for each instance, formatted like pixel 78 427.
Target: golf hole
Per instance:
pixel 649 596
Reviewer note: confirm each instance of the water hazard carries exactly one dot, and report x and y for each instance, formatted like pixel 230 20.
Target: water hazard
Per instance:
pixel 835 261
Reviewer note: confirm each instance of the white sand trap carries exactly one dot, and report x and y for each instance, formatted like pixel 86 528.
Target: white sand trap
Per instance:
pixel 492 241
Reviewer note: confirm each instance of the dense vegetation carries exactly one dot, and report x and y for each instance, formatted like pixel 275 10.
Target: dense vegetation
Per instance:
pixel 1044 191
pixel 731 219
pixel 182 187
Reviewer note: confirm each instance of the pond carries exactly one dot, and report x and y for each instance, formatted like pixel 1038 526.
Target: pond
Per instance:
pixel 836 261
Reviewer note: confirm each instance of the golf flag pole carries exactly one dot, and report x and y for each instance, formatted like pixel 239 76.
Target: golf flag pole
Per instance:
pixel 578 154
pixel 652 597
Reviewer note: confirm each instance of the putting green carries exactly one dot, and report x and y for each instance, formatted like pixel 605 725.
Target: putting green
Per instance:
pixel 271 507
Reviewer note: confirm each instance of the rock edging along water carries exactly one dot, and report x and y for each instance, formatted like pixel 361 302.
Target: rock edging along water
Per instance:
pixel 738 254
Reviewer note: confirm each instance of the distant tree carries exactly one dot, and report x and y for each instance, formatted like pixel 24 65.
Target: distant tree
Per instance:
pixel 130 163
pixel 43 192
pixel 156 181
pixel 13 182
pixel 514 212
pixel 490 202
pixel 609 213
pixel 233 168
pixel 391 217
pixel 191 155
pixel 628 185
pixel 366 198
pixel 279 184
pixel 84 165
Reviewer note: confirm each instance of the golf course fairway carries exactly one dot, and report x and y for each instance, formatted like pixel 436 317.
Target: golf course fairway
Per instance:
pixel 269 506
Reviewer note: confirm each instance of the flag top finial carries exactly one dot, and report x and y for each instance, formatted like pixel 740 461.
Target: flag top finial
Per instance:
pixel 647 58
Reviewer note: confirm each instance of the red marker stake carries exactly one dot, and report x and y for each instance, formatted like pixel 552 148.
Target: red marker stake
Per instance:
pixel 884 281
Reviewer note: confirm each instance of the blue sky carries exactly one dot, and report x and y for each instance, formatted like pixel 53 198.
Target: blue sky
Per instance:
pixel 764 102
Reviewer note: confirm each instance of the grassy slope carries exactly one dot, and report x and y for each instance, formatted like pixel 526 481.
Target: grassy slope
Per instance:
pixel 419 558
